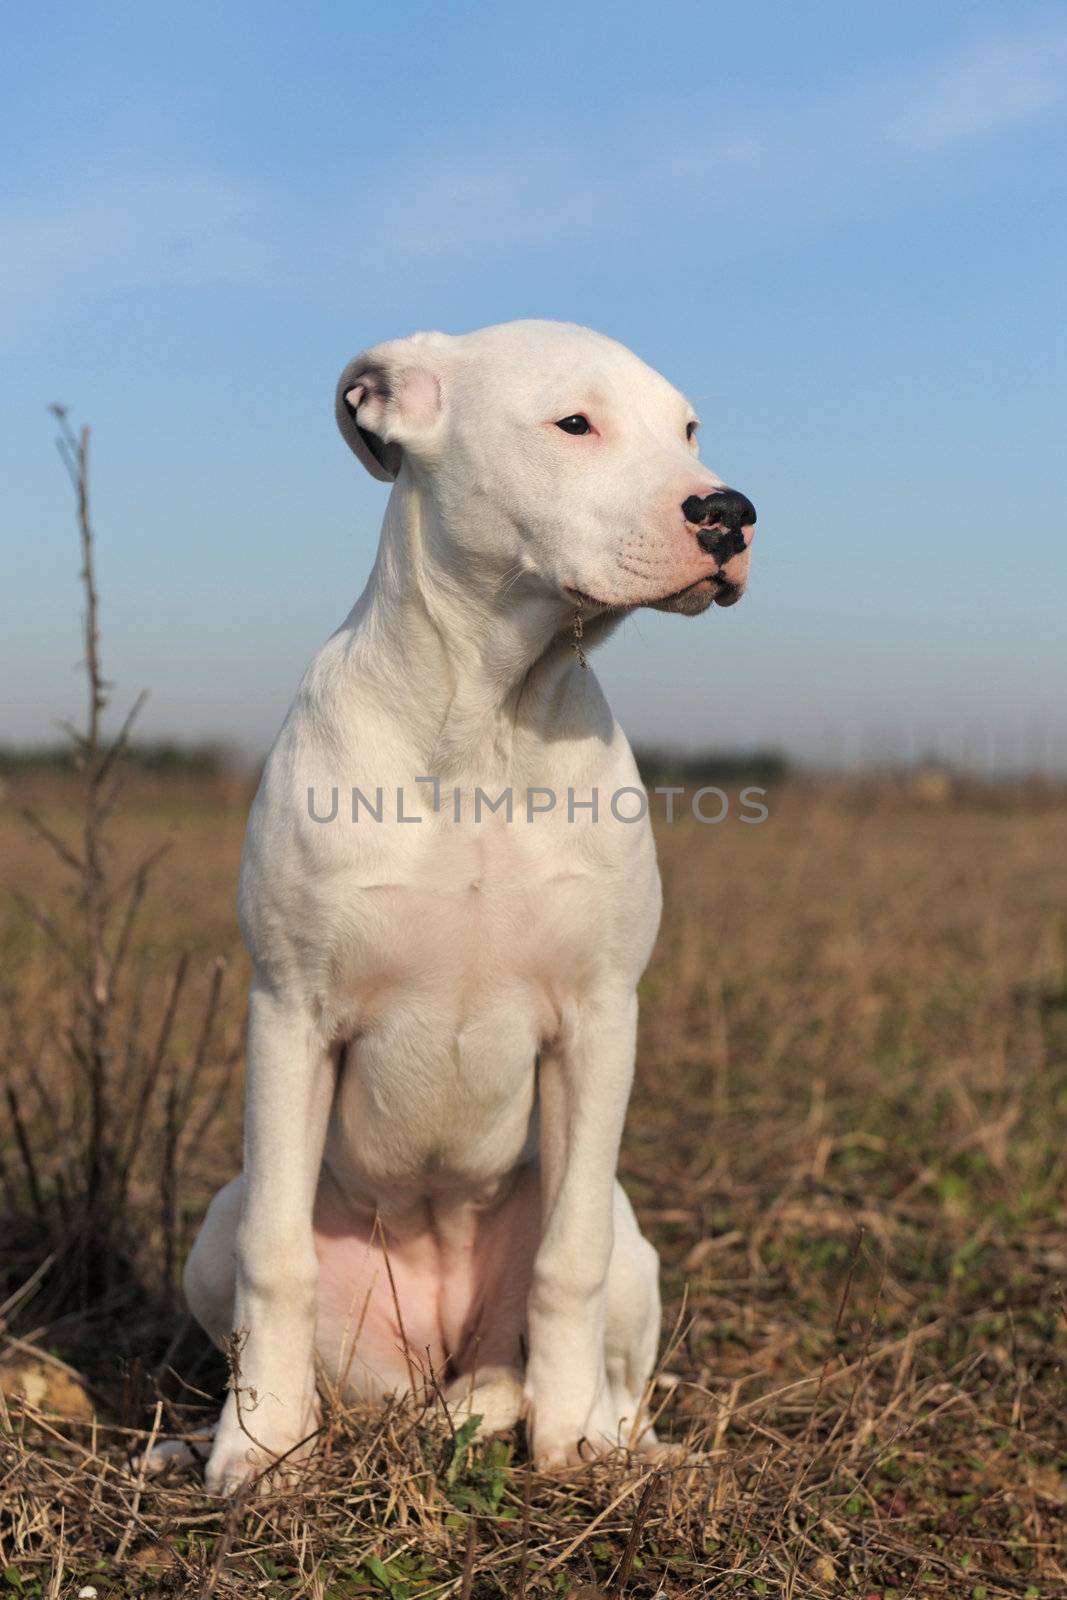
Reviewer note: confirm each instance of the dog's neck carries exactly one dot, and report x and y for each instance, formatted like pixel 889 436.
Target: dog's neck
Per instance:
pixel 474 654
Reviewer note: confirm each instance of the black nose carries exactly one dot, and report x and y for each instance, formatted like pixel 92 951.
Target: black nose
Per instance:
pixel 728 506
pixel 723 514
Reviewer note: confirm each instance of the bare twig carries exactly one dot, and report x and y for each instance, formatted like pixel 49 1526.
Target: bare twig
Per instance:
pixel 25 1151
pixel 68 856
pixel 634 1538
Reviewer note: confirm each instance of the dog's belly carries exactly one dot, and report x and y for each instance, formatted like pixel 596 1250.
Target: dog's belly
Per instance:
pixel 437 1286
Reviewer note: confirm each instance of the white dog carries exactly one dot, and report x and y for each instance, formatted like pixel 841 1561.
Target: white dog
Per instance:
pixel 442 1020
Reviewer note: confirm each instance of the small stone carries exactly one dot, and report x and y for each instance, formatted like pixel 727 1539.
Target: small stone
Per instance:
pixel 46 1387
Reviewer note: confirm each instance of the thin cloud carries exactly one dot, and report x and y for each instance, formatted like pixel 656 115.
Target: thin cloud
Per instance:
pixel 790 161
pixel 769 167
pixel 992 85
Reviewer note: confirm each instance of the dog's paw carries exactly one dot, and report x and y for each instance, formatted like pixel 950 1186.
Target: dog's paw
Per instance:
pixel 658 1453
pixel 257 1450
pixel 568 1453
pixel 233 1464
pixel 495 1396
pixel 562 1442
pixel 172 1456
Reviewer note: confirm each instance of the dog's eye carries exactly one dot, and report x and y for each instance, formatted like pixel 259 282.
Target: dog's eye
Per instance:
pixel 576 424
pixel 691 429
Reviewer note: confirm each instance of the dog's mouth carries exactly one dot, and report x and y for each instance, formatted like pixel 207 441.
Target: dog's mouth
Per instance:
pixel 711 589
pixel 715 589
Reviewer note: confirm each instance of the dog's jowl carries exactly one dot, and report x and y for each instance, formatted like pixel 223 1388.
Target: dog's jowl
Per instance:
pixel 442 1019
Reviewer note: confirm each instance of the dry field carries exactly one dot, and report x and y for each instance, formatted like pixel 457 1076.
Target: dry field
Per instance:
pixel 847 1141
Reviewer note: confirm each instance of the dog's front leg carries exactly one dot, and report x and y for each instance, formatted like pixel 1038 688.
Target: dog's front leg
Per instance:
pixel 583 1088
pixel 289 1085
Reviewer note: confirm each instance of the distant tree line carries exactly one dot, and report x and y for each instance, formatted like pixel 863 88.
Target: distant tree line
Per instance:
pixel 163 758
pixel 695 767
pixel 170 758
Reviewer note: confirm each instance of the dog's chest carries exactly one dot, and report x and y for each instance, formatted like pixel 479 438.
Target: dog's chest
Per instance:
pixel 449 976
pixel 458 914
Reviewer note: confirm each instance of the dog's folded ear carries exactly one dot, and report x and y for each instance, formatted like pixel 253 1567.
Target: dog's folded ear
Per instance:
pixel 390 403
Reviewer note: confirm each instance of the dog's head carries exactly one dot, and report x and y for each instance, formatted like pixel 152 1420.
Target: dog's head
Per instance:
pixel 555 453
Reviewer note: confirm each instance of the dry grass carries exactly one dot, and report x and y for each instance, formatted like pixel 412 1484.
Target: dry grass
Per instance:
pixel 847 1141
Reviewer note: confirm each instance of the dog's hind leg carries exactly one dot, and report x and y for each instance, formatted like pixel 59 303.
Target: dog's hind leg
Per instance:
pixel 632 1326
pixel 208 1282
pixel 210 1274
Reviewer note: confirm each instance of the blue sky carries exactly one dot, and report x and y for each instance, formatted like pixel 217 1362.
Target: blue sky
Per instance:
pixel 841 229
